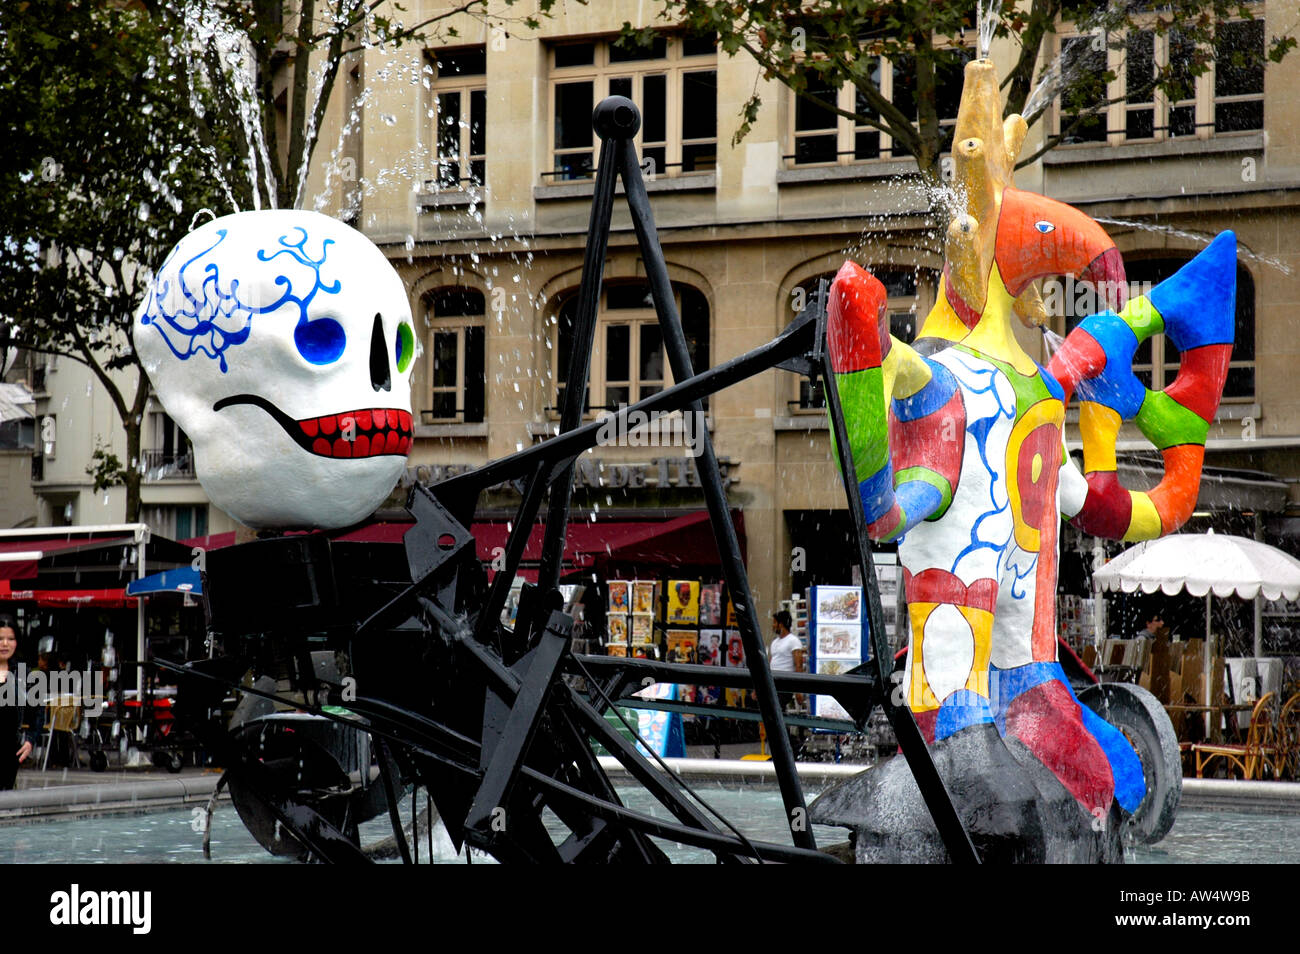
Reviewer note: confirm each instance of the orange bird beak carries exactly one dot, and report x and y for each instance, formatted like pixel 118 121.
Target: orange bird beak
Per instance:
pixel 1038 236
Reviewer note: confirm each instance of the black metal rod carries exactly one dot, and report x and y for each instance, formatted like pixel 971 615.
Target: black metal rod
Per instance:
pixel 490 615
pixel 856 691
pixel 792 342
pixel 584 337
pixel 641 770
pixel 715 841
pixel 381 750
pixel 910 740
pixel 724 530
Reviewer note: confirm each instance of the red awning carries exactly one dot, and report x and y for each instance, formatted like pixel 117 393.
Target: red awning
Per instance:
pixel 19 556
pixel 370 533
pixel 683 540
pixel 687 539
pixel 100 599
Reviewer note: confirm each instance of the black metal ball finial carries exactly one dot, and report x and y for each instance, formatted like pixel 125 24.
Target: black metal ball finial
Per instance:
pixel 616 117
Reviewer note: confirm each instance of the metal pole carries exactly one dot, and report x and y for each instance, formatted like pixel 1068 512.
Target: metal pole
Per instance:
pixel 724 530
pixel 933 790
pixel 615 124
pixel 142 542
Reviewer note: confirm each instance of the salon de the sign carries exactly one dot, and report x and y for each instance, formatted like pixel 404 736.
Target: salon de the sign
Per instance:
pixel 593 472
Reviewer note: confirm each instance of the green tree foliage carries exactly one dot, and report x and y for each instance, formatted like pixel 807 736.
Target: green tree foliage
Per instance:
pixel 122 121
pixel 100 174
pixel 818 46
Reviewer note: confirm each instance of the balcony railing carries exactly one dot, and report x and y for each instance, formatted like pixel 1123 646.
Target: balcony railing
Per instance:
pixel 165 465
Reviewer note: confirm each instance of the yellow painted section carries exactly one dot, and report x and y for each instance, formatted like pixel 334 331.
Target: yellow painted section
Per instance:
pixel 904 371
pixel 993 335
pixel 1049 411
pixel 981 624
pixel 1099 426
pixel 1036 468
pixel 920 697
pixel 942 321
pixel 1145 522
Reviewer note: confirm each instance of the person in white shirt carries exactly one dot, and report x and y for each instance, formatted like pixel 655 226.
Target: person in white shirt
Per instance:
pixel 786 650
pixel 785 653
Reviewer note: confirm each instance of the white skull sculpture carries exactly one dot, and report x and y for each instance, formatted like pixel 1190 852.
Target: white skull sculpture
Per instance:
pixel 281 342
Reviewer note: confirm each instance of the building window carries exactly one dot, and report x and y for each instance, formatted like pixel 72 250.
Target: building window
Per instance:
pixel 455 319
pixel 904 320
pixel 1227 98
pixel 674 83
pixel 1156 361
pixel 168 455
pixel 1239 76
pixel 628 363
pixel 821 136
pixel 460 116
pixel 177 522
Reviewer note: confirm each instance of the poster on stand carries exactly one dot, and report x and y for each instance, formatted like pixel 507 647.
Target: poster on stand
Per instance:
pixel 643 596
pixel 837 604
pixel 711 604
pixel 643 628
pixel 684 601
pixel 735 650
pixel 682 645
pixel 619 596
pixel 712 647
pixel 617 628
pixel 827 707
pixel 836 639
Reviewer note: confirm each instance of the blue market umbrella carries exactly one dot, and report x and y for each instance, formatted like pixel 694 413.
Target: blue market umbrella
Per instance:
pixel 182 580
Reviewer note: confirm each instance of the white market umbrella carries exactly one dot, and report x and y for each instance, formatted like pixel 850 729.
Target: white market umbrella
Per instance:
pixel 1201 564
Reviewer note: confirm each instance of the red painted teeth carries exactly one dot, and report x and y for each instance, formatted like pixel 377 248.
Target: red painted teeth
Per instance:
pixel 371 432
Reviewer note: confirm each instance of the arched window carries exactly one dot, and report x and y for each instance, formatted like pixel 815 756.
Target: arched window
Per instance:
pixel 456 336
pixel 904 320
pixel 628 363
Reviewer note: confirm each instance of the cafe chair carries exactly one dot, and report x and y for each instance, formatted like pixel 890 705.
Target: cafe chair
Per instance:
pixel 63 716
pixel 1259 751
pixel 1288 739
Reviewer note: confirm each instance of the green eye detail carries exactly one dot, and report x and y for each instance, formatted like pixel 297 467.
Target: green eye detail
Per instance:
pixel 405 347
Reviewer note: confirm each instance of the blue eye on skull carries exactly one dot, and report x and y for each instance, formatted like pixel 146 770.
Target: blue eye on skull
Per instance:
pixel 321 341
pixel 1044 227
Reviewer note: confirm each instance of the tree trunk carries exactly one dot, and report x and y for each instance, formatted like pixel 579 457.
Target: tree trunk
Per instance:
pixel 135 460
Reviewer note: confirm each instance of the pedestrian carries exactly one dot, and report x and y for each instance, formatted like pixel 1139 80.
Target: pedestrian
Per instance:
pixel 785 653
pixel 1152 629
pixel 12 738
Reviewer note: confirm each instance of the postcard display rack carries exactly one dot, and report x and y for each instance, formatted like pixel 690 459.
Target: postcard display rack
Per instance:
pixel 836 638
pixel 684 621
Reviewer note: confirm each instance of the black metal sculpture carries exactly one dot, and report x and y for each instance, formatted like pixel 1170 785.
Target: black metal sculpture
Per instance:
pixel 481 715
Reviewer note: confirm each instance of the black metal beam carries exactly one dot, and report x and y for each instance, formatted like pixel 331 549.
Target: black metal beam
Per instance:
pixel 724 530
pixel 615 126
pixel 910 740
pixel 501 761
pixel 793 341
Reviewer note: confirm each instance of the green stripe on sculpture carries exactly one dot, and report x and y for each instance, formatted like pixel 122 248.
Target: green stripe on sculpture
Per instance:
pixel 1143 318
pixel 1166 423
pixel 935 480
pixel 862 396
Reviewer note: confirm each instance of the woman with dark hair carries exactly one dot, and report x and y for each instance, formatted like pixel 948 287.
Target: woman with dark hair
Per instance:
pixel 11 709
